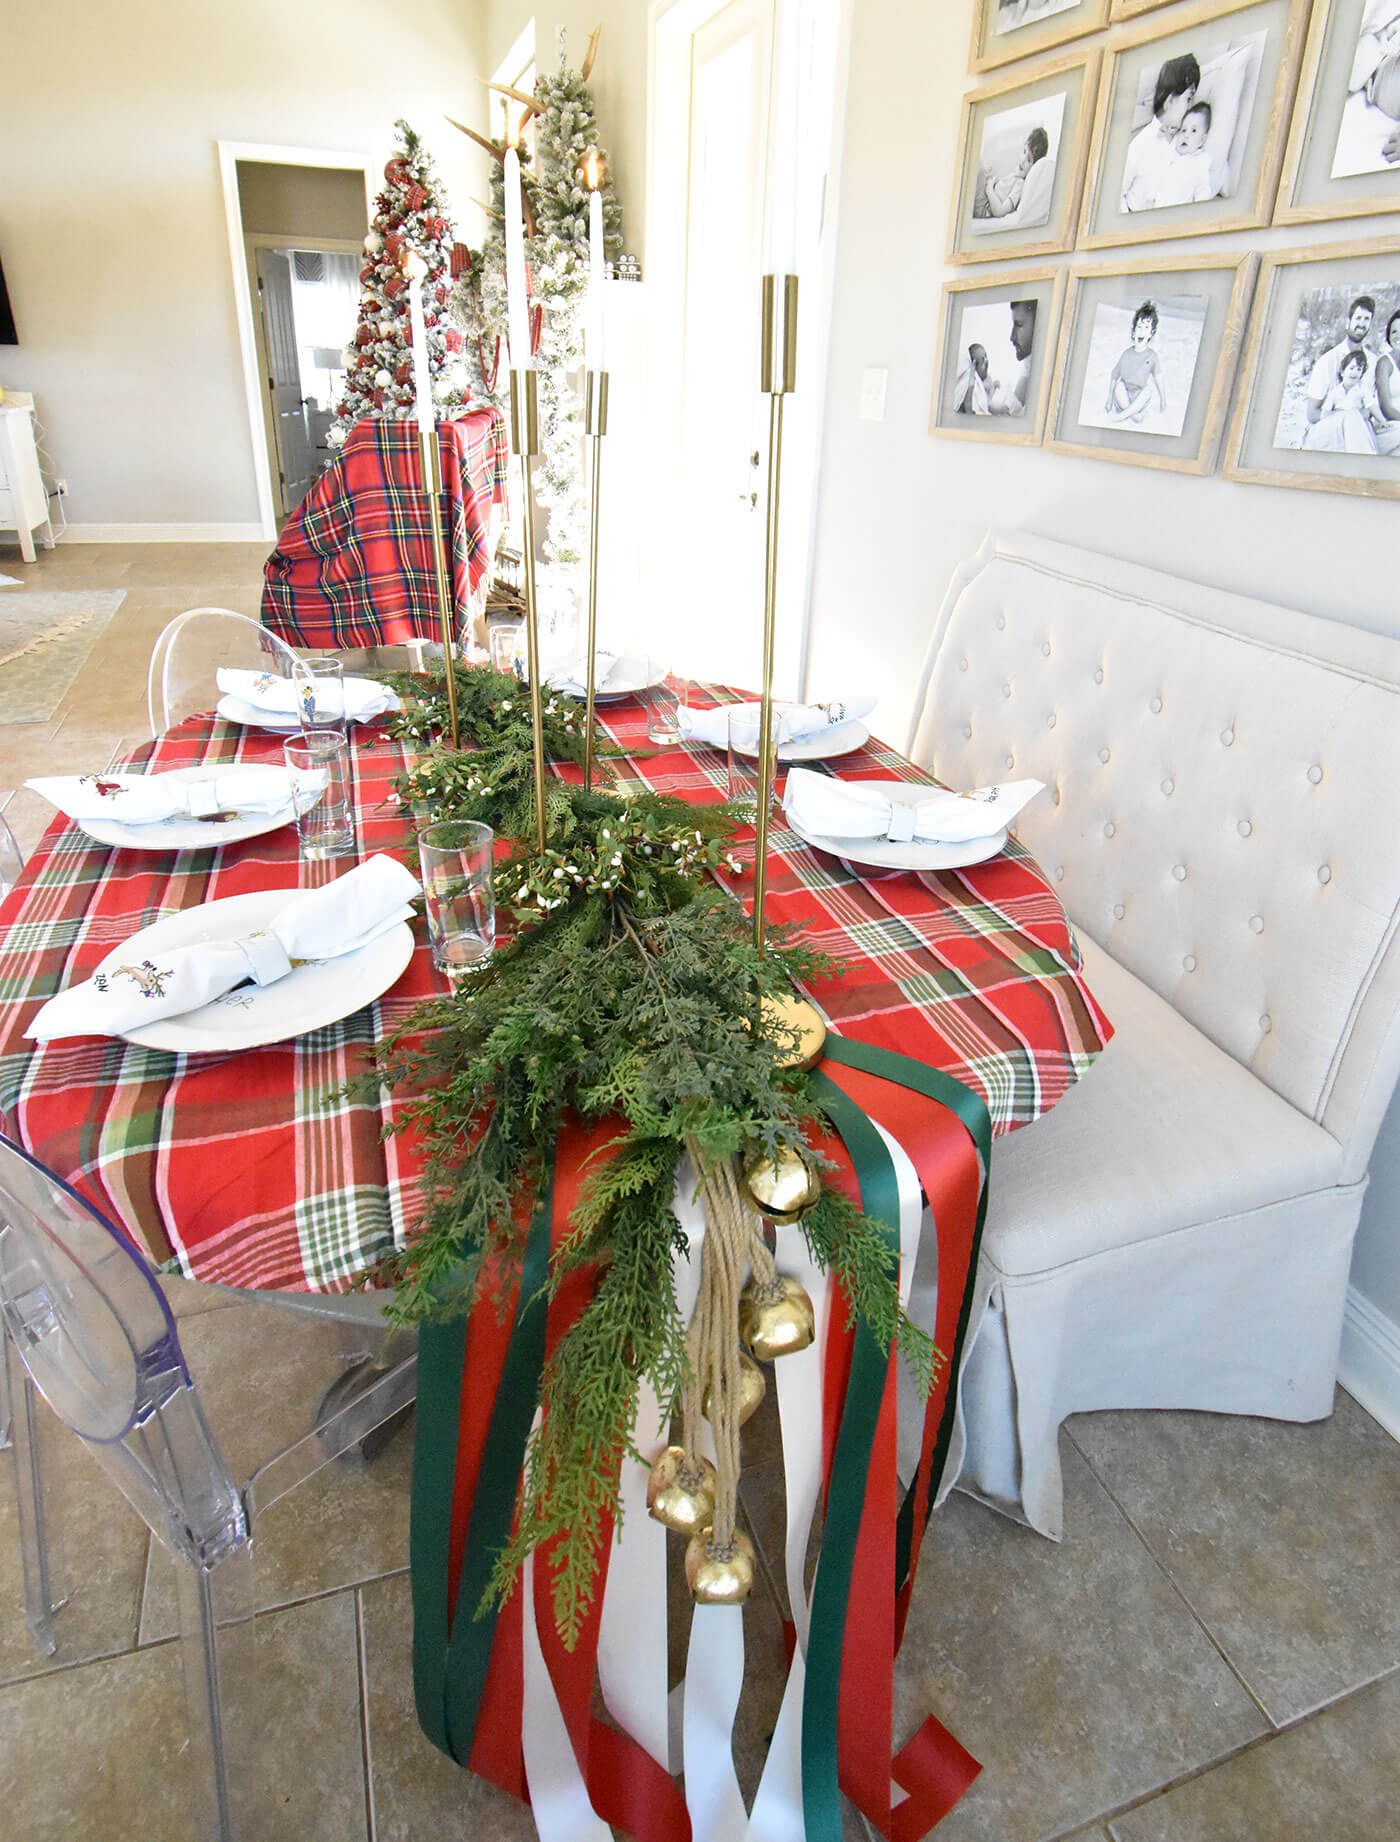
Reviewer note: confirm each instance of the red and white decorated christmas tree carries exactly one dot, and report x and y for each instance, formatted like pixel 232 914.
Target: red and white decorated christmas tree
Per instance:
pixel 410 215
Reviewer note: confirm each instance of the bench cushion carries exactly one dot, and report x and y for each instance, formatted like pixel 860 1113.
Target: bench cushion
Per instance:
pixel 1168 1132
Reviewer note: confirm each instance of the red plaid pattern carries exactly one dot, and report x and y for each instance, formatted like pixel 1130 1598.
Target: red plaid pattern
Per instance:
pixel 354 564
pixel 251 1170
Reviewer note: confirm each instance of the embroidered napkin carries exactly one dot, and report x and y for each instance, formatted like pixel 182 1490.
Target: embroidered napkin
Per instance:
pixel 793 722
pixel 312 924
pixel 268 695
pixel 889 809
pixel 148 799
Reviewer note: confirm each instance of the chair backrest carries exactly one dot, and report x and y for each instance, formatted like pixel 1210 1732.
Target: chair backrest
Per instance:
pixel 98 1340
pixel 189 650
pixel 11 858
pixel 1223 804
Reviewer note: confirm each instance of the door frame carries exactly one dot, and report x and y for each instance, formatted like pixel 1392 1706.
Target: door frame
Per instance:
pixel 253 241
pixel 249 332
pixel 666 143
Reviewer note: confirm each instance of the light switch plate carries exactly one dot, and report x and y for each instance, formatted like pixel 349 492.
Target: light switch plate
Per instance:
pixel 873 382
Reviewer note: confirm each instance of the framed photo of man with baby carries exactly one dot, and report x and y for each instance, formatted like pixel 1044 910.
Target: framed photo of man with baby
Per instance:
pixel 1320 406
pixel 1343 155
pixel 996 349
pixel 1021 162
pixel 1186 139
pixel 1148 353
pixel 1007 29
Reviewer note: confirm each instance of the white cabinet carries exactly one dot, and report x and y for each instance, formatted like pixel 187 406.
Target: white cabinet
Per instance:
pixel 24 505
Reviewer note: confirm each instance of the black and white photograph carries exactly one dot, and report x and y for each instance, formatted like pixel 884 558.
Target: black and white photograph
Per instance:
pixel 1368 135
pixel 995 350
pixel 1341 392
pixel 1190 123
pixel 1016 166
pixel 1005 30
pixel 1142 363
pixel 1012 15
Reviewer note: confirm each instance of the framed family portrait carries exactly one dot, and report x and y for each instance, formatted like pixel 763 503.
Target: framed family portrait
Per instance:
pixel 1007 29
pixel 1147 356
pixel 1021 162
pixel 996 348
pixel 1320 407
pixel 1343 155
pixel 1187 134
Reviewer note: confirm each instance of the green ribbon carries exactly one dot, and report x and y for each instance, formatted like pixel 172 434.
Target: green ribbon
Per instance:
pixel 879 1196
pixel 451 1656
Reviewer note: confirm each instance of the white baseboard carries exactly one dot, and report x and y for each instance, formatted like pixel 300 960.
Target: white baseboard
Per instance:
pixel 1369 1367
pixel 250 532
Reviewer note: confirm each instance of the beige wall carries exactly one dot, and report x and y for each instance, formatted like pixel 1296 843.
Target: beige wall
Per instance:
pixel 112 217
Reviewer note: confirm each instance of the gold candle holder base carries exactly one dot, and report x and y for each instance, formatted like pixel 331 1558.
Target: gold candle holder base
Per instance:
pixel 525 440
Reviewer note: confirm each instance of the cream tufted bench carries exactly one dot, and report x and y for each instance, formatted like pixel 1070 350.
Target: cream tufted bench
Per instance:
pixel 1222 821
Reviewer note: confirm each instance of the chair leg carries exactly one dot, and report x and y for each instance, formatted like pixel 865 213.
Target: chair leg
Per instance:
pixel 38 1538
pixel 219 1653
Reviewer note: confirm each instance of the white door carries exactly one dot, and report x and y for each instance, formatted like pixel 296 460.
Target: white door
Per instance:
pixel 710 107
pixel 297 462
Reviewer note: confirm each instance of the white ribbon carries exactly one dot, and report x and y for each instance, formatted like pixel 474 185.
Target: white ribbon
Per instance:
pixel 559 1799
pixel 714 1680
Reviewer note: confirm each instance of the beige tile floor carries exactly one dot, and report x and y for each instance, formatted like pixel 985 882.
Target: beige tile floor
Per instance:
pixel 1211 1655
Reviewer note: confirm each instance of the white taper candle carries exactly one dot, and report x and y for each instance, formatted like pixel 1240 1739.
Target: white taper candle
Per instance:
pixel 780 241
pixel 415 269
pixel 596 359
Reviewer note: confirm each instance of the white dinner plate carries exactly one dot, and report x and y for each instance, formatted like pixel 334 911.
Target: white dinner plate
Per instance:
pixel 880 854
pixel 185 834
pixel 628 678
pixel 835 739
pixel 234 710
pixel 320 992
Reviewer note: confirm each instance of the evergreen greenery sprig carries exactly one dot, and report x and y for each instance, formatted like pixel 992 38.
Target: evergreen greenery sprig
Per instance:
pixel 630 994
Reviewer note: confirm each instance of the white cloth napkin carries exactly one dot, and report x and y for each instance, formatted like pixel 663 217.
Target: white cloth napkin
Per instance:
pixel 887 809
pixel 793 722
pixel 313 924
pixel 148 799
pixel 270 695
pixel 573 678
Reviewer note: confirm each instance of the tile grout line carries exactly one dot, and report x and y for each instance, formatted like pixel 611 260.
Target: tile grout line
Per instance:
pixel 366 1753
pixel 1199 1621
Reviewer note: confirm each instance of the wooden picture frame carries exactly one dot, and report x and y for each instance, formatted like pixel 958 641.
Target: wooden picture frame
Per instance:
pixel 1071 20
pixel 1055 100
pixel 1202 319
pixel 957 303
pixel 1296 288
pixel 1133 9
pixel 1253 49
pixel 1310 188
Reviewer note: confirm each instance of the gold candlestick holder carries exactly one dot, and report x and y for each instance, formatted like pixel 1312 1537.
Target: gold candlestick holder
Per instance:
pixel 430 453
pixel 789 1015
pixel 525 441
pixel 595 426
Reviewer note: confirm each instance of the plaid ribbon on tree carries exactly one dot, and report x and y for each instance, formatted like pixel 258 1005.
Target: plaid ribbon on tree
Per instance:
pixel 253 1170
pixel 354 563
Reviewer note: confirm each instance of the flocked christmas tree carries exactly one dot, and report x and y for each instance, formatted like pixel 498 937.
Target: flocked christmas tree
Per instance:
pixel 557 254
pixel 410 214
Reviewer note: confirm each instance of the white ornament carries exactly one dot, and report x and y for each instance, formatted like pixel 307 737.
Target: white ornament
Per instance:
pixel 383 378
pixel 335 435
pixel 373 243
pixel 386 329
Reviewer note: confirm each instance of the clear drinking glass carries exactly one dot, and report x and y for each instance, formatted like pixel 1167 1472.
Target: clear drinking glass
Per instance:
pixel 321 694
pixel 318 761
pixel 456 857
pixel 662 700
pixel 507 645
pixel 743 765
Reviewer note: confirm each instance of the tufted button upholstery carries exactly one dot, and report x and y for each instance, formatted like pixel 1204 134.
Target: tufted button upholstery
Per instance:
pixel 1189 963
pixel 1227 737
pixel 1179 872
pixel 1109 829
pixel 1266 1023
pixel 1256 924
pixel 1314 774
pixel 1051 720
pixel 1104 756
pixel 1156 706
pixel 1045 649
pixel 1118 911
pixel 1244 828
pixel 1324 875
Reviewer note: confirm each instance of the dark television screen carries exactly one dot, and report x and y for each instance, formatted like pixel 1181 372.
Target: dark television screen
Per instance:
pixel 8 335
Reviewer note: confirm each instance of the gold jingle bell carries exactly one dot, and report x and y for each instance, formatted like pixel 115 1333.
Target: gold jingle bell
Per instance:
pixel 782 1185
pixel 719 1579
pixel 681 1491
pixel 777 1323
pixel 753 1385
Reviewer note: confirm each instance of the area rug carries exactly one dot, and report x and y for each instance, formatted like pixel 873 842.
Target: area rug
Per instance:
pixel 45 638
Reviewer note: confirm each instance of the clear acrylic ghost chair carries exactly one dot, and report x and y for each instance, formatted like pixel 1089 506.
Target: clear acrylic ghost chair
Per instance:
pixel 96 1335
pixel 190 649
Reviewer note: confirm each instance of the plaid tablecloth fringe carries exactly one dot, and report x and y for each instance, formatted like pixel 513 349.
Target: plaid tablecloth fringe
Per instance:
pixel 253 1169
pixel 354 563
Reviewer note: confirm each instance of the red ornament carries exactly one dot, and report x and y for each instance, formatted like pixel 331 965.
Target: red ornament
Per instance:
pixel 396 172
pixel 364 335
pixel 394 247
pixel 454 339
pixel 403 374
pixel 377 398
pixel 461 260
pixel 393 285
pixel 440 295
pixel 415 197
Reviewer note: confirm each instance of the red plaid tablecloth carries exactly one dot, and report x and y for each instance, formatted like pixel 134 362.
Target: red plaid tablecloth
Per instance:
pixel 251 1170
pixel 354 563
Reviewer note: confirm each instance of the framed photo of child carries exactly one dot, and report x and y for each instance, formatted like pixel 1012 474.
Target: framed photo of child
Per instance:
pixel 1021 164
pixel 1320 407
pixel 1007 29
pixel 1343 154
pixel 996 349
pixel 1147 356
pixel 1187 129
